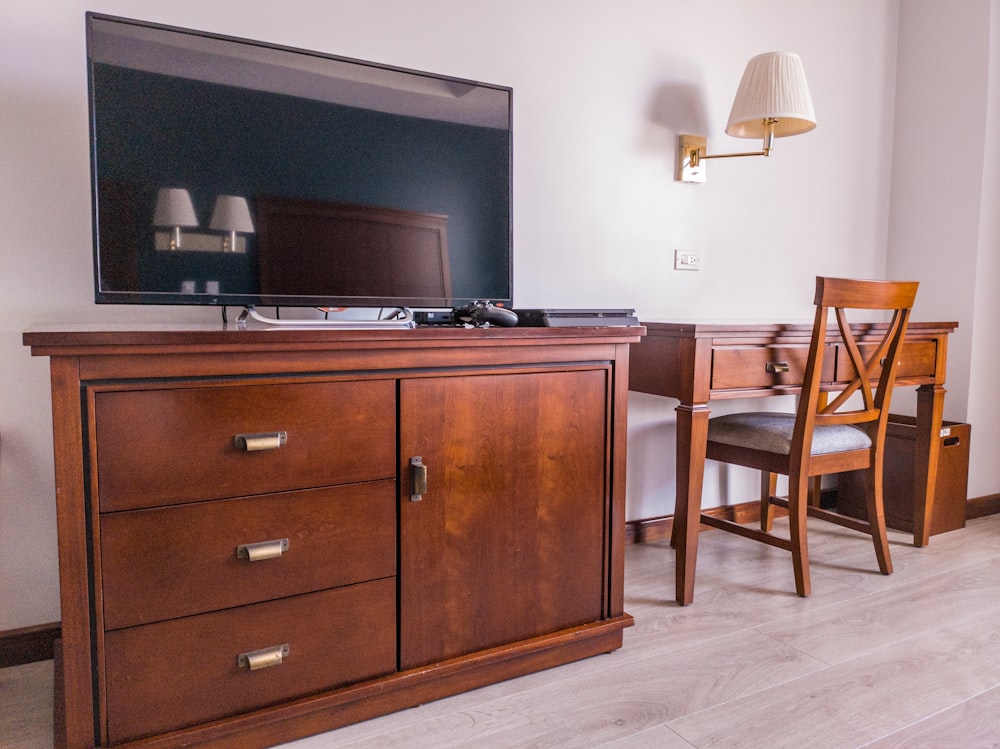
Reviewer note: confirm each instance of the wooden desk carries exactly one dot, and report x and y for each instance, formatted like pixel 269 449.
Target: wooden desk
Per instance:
pixel 697 363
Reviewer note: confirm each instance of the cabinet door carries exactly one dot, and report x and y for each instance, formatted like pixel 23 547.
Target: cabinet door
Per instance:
pixel 510 539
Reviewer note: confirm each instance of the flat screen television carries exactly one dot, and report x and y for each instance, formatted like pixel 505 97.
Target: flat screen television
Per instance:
pixel 235 172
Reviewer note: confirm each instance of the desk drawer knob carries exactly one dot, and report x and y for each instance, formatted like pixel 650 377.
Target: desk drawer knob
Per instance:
pixel 776 367
pixel 262 550
pixel 258 659
pixel 265 441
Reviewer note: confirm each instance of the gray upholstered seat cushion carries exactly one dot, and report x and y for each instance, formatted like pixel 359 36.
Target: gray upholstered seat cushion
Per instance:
pixel 772 432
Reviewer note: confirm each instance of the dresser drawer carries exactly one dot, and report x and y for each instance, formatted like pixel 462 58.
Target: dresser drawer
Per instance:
pixel 765 366
pixel 183 672
pixel 176 561
pixel 179 444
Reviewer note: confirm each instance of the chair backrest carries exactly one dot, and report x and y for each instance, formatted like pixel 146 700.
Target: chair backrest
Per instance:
pixel 859 364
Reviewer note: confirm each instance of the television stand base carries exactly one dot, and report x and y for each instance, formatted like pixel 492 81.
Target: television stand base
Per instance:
pixel 404 320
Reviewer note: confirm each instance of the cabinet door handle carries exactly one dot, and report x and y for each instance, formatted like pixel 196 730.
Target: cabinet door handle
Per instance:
pixel 776 367
pixel 263 441
pixel 262 550
pixel 418 478
pixel 258 659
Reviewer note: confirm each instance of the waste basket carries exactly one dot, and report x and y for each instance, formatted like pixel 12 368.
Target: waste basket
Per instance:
pixel 951 489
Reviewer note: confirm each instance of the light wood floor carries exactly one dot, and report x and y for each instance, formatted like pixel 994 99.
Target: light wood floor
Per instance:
pixel 909 660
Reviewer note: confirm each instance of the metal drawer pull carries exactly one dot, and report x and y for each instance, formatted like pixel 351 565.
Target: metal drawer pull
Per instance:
pixel 264 441
pixel 776 367
pixel 262 550
pixel 418 478
pixel 265 658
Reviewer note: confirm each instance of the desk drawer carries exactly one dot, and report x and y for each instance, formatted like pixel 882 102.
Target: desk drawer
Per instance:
pixel 175 444
pixel 918 360
pixel 765 366
pixel 176 561
pixel 183 672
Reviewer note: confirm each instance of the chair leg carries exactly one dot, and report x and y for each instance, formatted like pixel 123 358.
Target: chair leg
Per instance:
pixel 768 486
pixel 798 502
pixel 876 520
pixel 816 492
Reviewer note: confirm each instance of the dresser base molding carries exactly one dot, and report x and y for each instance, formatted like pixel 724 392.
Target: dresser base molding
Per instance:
pixel 370 699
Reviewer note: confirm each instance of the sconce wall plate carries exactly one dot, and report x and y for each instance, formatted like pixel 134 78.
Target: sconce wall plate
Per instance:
pixel 196 241
pixel 689 169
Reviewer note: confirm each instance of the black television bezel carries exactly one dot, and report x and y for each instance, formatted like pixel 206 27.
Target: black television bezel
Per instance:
pixel 140 297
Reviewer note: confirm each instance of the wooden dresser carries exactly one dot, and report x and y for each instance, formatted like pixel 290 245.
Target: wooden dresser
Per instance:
pixel 265 534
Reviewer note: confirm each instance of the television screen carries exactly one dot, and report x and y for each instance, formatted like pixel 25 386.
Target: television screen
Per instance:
pixel 228 171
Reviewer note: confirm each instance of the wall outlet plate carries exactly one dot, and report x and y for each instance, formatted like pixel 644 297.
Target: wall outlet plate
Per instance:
pixel 686 260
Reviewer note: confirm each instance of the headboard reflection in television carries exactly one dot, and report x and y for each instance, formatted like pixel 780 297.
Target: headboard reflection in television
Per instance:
pixel 235 172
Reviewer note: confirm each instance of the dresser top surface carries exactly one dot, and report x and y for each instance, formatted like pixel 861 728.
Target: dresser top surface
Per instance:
pixel 83 338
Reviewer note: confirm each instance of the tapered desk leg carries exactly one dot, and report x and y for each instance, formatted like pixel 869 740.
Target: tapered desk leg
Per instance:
pixel 692 437
pixel 930 407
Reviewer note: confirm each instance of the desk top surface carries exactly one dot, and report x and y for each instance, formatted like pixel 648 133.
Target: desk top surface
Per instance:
pixel 771 329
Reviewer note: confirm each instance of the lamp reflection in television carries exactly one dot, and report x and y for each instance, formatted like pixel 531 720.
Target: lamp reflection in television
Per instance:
pixel 175 210
pixel 231 214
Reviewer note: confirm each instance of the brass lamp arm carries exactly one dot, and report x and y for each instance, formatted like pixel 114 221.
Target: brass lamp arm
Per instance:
pixel 696 157
pixel 691 153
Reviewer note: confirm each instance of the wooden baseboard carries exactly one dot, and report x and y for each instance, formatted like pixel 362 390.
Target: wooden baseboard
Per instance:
pixel 29 644
pixel 659 528
pixel 980 507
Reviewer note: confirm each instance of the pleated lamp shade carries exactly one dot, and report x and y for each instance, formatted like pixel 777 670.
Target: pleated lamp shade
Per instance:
pixel 773 87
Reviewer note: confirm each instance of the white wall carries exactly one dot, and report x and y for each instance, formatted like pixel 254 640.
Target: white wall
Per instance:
pixel 984 366
pixel 944 226
pixel 600 91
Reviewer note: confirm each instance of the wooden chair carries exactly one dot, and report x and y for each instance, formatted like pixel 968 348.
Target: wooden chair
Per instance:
pixel 830 432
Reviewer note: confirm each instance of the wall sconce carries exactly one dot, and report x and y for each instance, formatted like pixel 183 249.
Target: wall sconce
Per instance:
pixel 773 101
pixel 175 210
pixel 231 214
